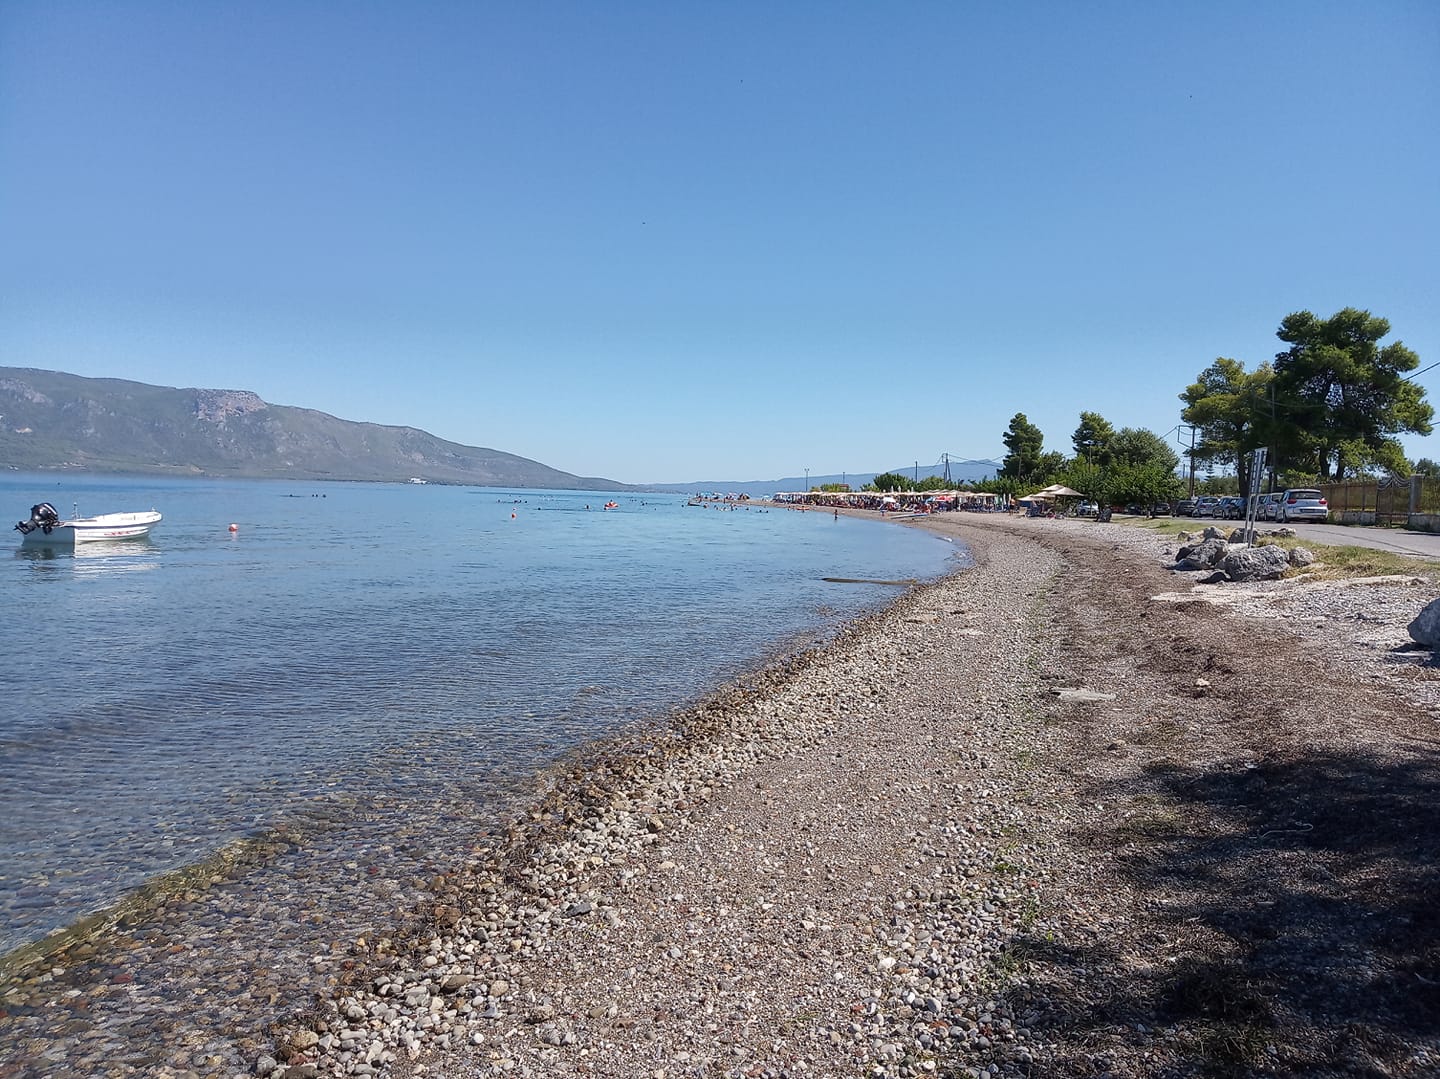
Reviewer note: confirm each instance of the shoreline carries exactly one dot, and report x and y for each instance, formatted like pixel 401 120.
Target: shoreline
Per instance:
pixel 99 952
pixel 839 868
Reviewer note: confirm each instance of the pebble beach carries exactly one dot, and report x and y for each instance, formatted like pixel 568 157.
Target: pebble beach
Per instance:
pixel 822 870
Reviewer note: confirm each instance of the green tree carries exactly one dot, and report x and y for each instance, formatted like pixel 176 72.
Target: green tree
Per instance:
pixel 1008 486
pixel 1092 438
pixel 1232 409
pixel 932 483
pixel 1091 480
pixel 1048 467
pixel 889 481
pixel 1146 483
pixel 1338 389
pixel 1024 441
pixel 1139 446
pixel 1426 467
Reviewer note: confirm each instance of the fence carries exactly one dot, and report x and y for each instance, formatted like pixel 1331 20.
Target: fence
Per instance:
pixel 1413 501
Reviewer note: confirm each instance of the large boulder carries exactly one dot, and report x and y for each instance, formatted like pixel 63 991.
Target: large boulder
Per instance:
pixel 1255 563
pixel 1204 555
pixel 1425 630
pixel 1301 556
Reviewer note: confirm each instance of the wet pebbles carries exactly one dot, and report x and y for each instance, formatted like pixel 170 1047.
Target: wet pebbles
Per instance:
pixel 815 872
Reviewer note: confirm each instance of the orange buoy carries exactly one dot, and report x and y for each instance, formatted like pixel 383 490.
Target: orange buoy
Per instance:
pixel 234 528
pixel 512 517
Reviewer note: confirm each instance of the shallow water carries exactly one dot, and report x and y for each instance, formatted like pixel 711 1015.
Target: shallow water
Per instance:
pixel 355 645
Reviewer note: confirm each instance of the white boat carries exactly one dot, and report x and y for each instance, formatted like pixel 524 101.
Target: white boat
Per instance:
pixel 46 527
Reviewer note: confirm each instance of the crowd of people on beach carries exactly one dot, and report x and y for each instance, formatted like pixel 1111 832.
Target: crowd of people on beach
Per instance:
pixel 895 502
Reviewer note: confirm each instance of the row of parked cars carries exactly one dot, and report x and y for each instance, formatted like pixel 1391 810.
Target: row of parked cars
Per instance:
pixel 1296 504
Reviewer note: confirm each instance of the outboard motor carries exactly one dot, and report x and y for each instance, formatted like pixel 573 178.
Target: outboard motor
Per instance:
pixel 42 516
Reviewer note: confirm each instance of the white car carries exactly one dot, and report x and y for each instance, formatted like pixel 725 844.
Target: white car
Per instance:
pixel 1302 504
pixel 1268 504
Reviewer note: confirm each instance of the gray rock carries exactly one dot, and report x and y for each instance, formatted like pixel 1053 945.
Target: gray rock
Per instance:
pixel 1255 563
pixel 1425 630
pixel 1083 695
pixel 1302 556
pixel 1204 555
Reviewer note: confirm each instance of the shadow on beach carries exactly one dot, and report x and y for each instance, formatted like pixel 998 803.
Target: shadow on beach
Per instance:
pixel 1293 910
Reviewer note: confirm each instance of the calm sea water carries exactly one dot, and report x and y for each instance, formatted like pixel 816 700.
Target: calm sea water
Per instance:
pixel 384 642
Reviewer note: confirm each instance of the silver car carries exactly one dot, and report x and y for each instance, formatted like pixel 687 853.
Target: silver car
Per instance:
pixel 1302 504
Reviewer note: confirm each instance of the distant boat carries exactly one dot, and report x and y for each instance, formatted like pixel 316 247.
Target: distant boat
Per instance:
pixel 46 527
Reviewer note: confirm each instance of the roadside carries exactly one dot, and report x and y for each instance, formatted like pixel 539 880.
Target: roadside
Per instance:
pixel 1411 544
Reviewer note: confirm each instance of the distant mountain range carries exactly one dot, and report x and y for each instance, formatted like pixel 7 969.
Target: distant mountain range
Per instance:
pixel 960 472
pixel 50 420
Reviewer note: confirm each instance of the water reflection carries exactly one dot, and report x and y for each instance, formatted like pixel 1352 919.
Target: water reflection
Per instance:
pixel 95 558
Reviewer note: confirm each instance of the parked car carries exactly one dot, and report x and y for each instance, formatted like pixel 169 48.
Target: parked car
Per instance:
pixel 1268 504
pixel 1209 506
pixel 1185 508
pixel 1160 509
pixel 1232 507
pixel 1302 503
pixel 1134 509
pixel 1086 509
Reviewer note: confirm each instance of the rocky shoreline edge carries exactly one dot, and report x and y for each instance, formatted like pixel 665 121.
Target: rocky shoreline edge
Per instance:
pixel 470 976
pixel 452 968
pixel 841 866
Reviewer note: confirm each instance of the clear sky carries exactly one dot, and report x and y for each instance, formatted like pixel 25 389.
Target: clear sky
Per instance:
pixel 680 241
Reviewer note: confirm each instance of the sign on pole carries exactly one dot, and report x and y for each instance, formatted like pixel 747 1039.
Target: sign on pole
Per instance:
pixel 1252 500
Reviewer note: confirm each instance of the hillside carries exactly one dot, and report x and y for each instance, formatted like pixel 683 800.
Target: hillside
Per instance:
pixel 51 420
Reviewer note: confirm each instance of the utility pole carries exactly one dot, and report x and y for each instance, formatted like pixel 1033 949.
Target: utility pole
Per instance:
pixel 916 480
pixel 807 480
pixel 1192 457
pixel 946 458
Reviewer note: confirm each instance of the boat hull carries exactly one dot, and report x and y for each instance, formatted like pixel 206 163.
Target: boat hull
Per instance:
pixel 107 526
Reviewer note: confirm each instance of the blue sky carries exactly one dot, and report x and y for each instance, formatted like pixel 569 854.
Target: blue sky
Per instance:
pixel 674 241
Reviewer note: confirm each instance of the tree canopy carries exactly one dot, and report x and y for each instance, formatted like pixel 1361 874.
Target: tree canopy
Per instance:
pixel 1137 446
pixel 1024 441
pixel 1329 406
pixel 889 481
pixel 1092 438
pixel 1232 408
pixel 1342 397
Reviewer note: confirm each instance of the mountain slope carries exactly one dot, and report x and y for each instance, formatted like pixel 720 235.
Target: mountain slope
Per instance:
pixel 52 420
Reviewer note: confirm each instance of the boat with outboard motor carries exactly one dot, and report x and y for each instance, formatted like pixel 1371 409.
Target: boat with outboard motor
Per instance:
pixel 46 527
